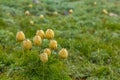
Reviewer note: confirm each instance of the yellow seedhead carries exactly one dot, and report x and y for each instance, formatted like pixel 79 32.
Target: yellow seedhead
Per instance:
pixel 37 40
pixel 41 16
pixel 20 36
pixel 53 44
pixel 27 13
pixel 49 34
pixel 55 13
pixel 48 51
pixel 30 5
pixel 32 22
pixel 105 11
pixel 70 11
pixel 95 3
pixel 27 44
pixel 44 57
pixel 40 33
pixel 63 53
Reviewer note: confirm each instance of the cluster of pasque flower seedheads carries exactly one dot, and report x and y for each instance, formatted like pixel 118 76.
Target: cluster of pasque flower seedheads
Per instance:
pixel 42 16
pixel 37 41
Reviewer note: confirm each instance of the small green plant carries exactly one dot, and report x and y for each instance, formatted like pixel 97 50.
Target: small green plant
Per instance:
pixel 45 62
pixel 5 37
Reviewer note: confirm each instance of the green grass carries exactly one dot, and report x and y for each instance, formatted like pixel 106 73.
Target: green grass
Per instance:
pixel 91 38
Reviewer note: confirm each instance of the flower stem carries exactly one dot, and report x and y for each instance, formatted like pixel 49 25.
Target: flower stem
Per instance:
pixel 43 71
pixel 22 50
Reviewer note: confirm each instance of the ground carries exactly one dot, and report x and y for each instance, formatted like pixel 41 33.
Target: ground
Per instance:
pixel 91 34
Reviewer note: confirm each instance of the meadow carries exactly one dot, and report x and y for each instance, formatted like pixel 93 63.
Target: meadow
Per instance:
pixel 87 30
